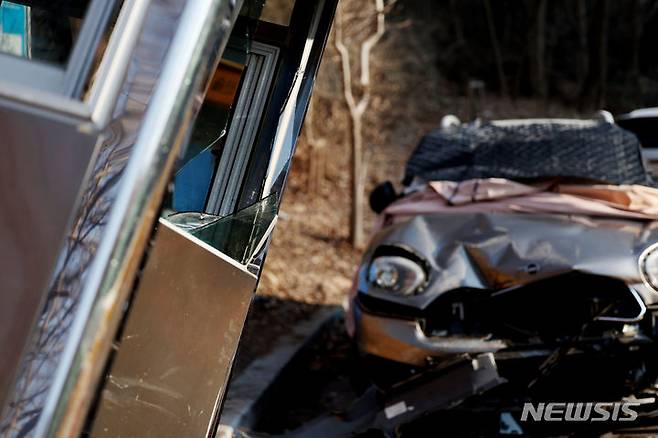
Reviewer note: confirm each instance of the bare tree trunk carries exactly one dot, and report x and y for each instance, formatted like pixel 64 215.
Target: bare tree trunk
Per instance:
pixel 356 212
pixel 541 84
pixel 357 110
pixel 502 80
pixel 317 155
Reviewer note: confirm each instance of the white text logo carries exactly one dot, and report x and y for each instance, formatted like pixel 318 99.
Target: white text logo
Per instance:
pixel 581 411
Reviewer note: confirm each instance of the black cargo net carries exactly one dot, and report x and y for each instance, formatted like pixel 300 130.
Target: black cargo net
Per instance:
pixel 602 152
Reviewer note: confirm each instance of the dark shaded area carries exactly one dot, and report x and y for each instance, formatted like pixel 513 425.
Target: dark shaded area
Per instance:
pixel 325 376
pixel 588 54
pixel 644 128
pixel 328 379
pixel 269 319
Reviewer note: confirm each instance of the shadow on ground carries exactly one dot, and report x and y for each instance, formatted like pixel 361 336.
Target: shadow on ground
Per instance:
pixel 323 376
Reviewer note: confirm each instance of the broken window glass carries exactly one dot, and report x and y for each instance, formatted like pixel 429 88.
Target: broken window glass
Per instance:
pixel 210 171
pixel 197 166
pixel 240 235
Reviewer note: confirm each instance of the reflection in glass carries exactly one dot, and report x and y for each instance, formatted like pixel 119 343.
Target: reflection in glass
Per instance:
pixel 39 29
pixel 100 50
pixel 199 161
pixel 278 11
pixel 206 151
pixel 237 85
pixel 240 235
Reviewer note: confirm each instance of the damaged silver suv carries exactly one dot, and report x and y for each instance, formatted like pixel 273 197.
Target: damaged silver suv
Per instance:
pixel 530 242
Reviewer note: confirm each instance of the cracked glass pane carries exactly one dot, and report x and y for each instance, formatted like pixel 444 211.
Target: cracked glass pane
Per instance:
pixel 240 235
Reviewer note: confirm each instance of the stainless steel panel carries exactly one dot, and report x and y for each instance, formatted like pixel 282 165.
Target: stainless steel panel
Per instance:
pixel 111 228
pixel 201 33
pixel 42 166
pixel 179 341
pixel 155 22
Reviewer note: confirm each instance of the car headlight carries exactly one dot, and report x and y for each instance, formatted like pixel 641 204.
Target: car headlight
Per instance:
pixel 397 274
pixel 649 266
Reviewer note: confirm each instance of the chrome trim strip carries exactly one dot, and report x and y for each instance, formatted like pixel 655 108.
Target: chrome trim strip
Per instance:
pixel 199 41
pixel 641 262
pixel 33 98
pixel 106 86
pixel 638 318
pixel 285 139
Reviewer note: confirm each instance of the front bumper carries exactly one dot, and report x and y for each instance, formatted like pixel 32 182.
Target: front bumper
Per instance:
pixel 404 341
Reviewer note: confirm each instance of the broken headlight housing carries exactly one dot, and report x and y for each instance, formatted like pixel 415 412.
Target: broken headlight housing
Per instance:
pixel 397 274
pixel 649 266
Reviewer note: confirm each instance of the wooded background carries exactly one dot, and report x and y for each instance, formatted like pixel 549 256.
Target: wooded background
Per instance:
pixel 589 54
pixel 557 58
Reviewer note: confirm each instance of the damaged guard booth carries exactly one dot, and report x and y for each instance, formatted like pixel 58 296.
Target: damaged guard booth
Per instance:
pixel 145 146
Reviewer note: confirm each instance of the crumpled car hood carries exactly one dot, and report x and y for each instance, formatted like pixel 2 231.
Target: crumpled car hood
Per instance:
pixel 497 251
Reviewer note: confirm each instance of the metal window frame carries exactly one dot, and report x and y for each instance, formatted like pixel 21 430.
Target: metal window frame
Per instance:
pixel 259 74
pixel 38 86
pixel 288 98
pixel 294 110
pixel 199 40
pixel 69 80
pixel 38 124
